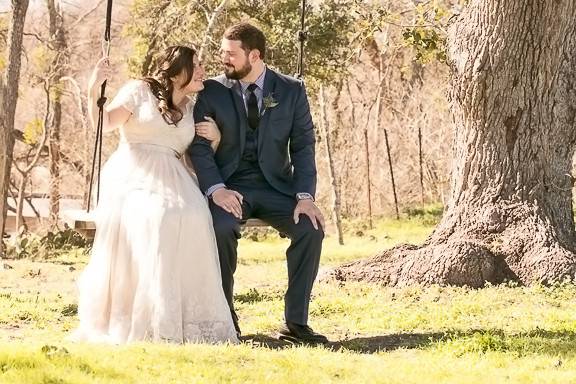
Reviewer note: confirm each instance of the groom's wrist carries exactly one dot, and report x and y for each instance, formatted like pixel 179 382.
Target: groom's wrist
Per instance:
pixel 214 188
pixel 304 196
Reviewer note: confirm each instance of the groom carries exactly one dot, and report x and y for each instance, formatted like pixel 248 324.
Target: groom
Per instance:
pixel 264 168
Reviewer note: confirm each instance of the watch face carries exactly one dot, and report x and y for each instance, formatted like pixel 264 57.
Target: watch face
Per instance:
pixel 301 196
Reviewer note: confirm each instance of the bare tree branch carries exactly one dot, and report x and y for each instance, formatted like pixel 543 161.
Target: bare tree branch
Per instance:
pixel 88 13
pixel 210 27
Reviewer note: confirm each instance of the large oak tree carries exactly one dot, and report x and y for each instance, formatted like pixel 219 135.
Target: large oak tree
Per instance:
pixel 513 96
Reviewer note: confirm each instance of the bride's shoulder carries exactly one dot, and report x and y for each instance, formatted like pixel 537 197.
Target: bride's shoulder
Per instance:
pixel 134 87
pixel 134 83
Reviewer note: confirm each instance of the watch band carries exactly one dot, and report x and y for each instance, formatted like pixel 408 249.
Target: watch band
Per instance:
pixel 304 196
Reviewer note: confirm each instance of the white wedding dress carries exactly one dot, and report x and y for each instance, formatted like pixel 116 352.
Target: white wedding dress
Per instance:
pixel 154 272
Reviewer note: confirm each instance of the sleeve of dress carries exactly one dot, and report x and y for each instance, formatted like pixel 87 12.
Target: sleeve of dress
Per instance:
pixel 128 96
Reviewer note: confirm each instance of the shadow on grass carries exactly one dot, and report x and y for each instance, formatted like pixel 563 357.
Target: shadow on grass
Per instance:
pixel 362 345
pixel 541 342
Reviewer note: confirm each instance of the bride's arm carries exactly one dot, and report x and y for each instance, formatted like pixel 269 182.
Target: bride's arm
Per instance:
pixel 113 118
pixel 209 130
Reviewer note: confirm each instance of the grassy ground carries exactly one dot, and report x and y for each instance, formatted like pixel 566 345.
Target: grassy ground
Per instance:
pixel 497 334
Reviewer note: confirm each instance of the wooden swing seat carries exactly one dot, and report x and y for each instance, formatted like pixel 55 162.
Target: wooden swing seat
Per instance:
pixel 83 223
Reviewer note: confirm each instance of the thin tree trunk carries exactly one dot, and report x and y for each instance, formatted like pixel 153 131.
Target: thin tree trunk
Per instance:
pixel 83 112
pixel 510 213
pixel 25 172
pixel 327 142
pixel 210 27
pixel 368 180
pixel 366 156
pixel 20 203
pixel 28 200
pixel 421 165
pixel 391 170
pixel 380 125
pixel 60 46
pixel 8 98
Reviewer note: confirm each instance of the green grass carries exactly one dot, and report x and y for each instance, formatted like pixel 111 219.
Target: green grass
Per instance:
pixel 499 334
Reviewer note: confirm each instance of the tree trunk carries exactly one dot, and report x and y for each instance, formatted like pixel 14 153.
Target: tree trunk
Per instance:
pixel 60 46
pixel 513 94
pixel 87 156
pixel 8 98
pixel 20 203
pixel 29 166
pixel 209 31
pixel 366 155
pixel 380 126
pixel 331 167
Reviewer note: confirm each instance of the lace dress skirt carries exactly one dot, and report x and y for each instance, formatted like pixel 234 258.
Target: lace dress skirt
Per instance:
pixel 154 271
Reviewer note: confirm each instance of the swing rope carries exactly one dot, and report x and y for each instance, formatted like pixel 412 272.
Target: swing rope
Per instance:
pixel 97 155
pixel 302 36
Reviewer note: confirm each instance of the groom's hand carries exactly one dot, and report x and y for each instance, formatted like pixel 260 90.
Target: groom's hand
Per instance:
pixel 308 208
pixel 229 200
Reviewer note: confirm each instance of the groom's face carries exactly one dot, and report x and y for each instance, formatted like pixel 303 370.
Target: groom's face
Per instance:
pixel 234 59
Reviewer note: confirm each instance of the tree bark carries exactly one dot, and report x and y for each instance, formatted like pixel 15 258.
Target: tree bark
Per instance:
pixel 380 126
pixel 30 165
pixel 60 46
pixel 84 166
pixel 331 167
pixel 513 73
pixel 8 99
pixel 209 31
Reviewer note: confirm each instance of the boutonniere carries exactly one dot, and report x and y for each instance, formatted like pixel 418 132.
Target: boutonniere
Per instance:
pixel 269 101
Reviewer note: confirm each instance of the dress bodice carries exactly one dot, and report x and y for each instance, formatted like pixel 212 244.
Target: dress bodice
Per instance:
pixel 146 125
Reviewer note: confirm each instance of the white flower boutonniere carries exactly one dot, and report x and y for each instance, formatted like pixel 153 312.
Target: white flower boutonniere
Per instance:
pixel 269 101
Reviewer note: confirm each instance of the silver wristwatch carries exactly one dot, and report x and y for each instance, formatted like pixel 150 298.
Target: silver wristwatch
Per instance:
pixel 304 196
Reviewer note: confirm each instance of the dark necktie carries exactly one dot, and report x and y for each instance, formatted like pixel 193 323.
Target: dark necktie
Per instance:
pixel 252 106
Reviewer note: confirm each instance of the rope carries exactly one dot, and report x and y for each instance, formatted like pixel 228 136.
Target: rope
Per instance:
pixel 302 36
pixel 97 155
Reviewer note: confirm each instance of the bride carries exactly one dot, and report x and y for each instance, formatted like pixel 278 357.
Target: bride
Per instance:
pixel 154 271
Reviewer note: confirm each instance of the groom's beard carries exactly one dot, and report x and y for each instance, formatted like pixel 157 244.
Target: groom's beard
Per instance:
pixel 237 74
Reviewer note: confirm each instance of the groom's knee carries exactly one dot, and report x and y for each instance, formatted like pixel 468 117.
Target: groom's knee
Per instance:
pixel 305 229
pixel 225 227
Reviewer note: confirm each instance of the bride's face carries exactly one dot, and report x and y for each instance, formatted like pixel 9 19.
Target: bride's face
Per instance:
pixel 196 83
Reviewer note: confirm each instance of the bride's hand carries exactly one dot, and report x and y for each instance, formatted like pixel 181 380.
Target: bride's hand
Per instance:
pixel 100 73
pixel 208 130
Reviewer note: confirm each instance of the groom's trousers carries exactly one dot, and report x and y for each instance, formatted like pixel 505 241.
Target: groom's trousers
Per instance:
pixel 303 254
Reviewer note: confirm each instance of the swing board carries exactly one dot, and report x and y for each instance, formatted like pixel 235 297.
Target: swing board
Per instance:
pixel 83 223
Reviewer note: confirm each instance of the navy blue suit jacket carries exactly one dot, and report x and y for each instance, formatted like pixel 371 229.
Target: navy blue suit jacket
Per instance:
pixel 286 141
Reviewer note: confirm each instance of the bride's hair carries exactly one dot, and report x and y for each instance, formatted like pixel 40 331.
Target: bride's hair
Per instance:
pixel 170 63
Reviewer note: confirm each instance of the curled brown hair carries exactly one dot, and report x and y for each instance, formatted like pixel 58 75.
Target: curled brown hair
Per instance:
pixel 170 63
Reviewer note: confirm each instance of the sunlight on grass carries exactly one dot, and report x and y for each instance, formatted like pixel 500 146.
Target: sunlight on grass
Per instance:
pixel 379 334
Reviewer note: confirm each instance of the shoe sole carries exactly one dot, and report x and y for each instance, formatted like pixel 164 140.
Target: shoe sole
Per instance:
pixel 289 339
pixel 294 340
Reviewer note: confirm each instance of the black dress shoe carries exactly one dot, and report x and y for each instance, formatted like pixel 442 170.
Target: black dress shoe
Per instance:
pixel 297 333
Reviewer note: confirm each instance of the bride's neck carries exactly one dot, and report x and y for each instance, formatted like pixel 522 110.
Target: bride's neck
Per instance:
pixel 178 97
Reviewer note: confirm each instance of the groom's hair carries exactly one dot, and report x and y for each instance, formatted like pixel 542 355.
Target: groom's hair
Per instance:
pixel 249 36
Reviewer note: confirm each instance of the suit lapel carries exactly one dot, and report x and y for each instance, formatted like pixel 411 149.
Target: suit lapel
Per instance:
pixel 269 90
pixel 234 89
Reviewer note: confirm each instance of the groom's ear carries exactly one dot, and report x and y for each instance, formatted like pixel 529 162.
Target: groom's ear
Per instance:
pixel 255 54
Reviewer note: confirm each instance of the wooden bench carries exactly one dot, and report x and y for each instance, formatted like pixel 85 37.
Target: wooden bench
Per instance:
pixel 82 222
pixel 32 223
